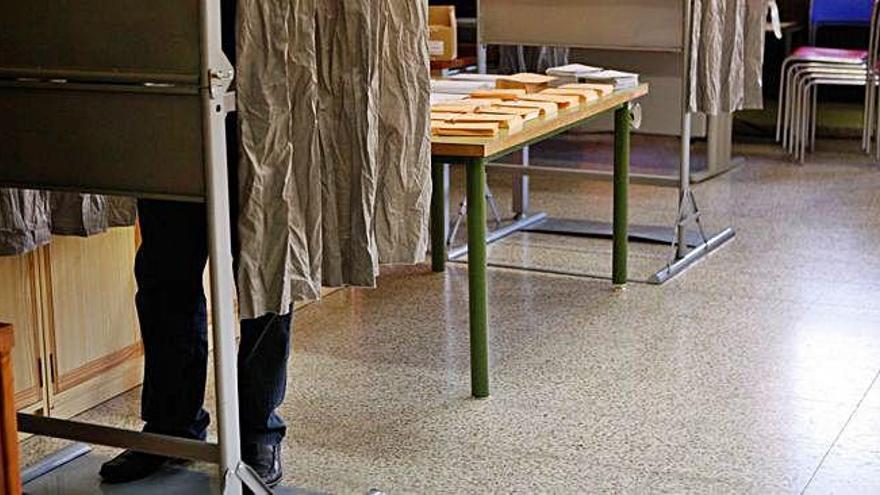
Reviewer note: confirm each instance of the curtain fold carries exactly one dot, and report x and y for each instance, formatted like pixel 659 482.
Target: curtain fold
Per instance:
pixel 335 171
pixel 29 218
pixel 727 55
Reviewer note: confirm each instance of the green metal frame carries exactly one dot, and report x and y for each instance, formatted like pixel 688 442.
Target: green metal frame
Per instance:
pixel 622 125
pixel 477 232
pixel 477 282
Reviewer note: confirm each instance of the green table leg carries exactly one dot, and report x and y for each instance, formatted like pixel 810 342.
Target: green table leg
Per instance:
pixel 479 303
pixel 438 219
pixel 622 124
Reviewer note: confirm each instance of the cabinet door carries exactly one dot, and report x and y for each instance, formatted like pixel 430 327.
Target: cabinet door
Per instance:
pixel 94 342
pixel 19 305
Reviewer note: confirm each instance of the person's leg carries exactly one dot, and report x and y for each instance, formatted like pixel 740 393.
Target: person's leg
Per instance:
pixel 173 317
pixel 172 313
pixel 263 353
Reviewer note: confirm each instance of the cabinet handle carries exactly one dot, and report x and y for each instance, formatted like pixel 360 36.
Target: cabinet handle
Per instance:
pixel 53 372
pixel 40 372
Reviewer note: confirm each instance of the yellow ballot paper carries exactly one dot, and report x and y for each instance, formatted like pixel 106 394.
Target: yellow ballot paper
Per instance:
pixel 585 95
pixel 527 114
pixel 561 100
pixel 547 108
pixel 532 83
pixel 481 102
pixel 502 94
pixel 513 123
pixel 444 116
pixel 602 89
pixel 467 129
pixel 454 107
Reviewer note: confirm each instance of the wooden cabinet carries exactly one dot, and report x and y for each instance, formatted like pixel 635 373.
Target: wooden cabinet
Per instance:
pixel 77 338
pixel 19 305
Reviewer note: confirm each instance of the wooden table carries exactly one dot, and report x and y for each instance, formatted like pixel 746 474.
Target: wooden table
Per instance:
pixel 474 154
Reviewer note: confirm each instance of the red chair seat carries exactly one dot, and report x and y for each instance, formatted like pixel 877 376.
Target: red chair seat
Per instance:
pixel 832 55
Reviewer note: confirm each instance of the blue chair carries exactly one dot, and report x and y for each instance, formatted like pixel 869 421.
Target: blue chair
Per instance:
pixel 838 13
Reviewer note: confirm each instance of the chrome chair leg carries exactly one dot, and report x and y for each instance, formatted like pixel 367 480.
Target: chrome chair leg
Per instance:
pixel 814 119
pixel 780 103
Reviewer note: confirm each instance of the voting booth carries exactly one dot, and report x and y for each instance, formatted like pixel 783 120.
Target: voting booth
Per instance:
pixel 129 98
pixel 651 30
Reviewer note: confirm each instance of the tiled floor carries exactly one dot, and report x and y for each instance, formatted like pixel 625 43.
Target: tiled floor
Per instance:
pixel 755 372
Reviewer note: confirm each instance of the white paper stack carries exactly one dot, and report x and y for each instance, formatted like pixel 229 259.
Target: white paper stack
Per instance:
pixel 575 73
pixel 620 79
pixel 444 97
pixel 572 72
pixel 456 87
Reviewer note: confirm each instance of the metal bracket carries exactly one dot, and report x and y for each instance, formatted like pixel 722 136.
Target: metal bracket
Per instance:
pixel 635 110
pixel 682 258
pixel 462 213
pixel 220 81
pixel 688 214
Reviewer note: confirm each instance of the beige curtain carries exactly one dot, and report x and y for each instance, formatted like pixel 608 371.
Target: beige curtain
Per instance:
pixel 727 55
pixel 25 221
pixel 335 172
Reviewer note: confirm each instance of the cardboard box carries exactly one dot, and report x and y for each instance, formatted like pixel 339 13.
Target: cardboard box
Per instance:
pixel 443 27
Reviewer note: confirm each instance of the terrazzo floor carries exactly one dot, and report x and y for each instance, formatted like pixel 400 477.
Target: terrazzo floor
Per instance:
pixel 754 372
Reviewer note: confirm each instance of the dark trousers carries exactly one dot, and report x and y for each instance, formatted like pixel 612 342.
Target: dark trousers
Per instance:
pixel 172 311
pixel 173 317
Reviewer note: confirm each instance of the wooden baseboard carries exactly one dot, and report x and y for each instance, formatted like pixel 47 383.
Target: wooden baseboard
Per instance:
pixel 98 367
pixel 99 389
pixel 31 397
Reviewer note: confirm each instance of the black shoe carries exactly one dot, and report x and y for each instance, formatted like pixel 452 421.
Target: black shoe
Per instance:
pixel 132 466
pixel 265 460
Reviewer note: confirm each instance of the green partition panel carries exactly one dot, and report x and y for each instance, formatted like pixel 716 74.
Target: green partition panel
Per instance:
pixel 131 141
pixel 139 40
pixel 654 25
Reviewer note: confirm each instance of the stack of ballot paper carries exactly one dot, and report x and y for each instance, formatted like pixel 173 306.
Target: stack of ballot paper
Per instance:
pixel 571 72
pixel 470 76
pixel 600 89
pixel 459 87
pixel 486 112
pixel 499 94
pixel 574 73
pixel 465 129
pixel 540 108
pixel 531 83
pixel 619 79
pixel 444 97
pixel 513 123
pixel 562 101
pixel 525 113
pixel 584 95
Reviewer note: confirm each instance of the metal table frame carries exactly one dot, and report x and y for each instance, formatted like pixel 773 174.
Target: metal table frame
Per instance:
pixel 476 167
pixel 55 85
pixel 684 254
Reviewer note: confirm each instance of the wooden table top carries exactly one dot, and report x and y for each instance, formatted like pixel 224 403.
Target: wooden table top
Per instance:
pixel 477 147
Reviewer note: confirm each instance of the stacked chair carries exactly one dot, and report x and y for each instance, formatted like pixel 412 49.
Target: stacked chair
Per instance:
pixel 838 13
pixel 810 67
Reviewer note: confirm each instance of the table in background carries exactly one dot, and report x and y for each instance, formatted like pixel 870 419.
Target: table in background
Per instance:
pixel 475 154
